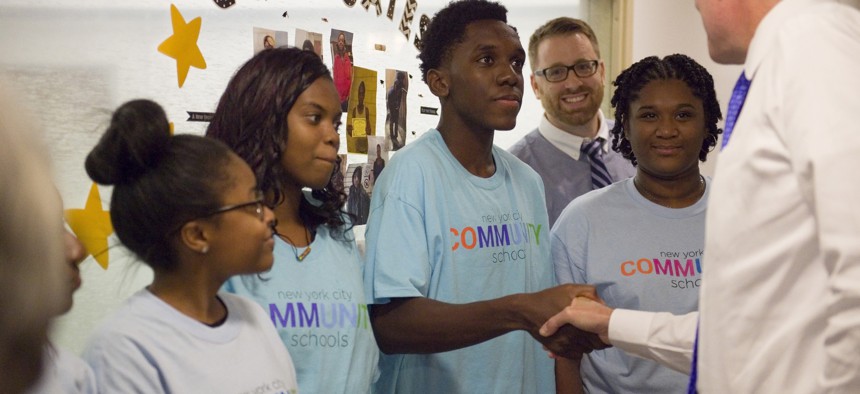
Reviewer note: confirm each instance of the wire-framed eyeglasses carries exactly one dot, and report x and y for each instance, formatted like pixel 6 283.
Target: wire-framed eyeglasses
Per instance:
pixel 582 69
pixel 257 203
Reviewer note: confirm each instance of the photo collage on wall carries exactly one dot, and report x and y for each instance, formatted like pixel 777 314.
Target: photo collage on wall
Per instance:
pixel 310 41
pixel 396 87
pixel 267 39
pixel 357 92
pixel 361 110
pixel 357 185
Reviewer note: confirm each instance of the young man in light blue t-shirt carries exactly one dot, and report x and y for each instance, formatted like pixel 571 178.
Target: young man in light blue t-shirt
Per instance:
pixel 459 270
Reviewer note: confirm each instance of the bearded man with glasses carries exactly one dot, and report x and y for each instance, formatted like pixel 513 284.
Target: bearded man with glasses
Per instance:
pixel 570 147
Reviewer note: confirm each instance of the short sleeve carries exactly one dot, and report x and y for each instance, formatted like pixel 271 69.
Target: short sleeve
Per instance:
pixel 569 245
pixel 120 366
pixel 398 262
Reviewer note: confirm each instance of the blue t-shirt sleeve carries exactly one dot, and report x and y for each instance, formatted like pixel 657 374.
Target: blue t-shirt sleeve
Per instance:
pixel 243 285
pixel 228 287
pixel 398 262
pixel 569 243
pixel 354 251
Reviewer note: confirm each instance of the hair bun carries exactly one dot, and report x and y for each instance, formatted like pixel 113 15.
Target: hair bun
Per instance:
pixel 135 141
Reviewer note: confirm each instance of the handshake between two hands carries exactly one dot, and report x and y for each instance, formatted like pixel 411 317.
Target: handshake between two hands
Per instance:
pixel 576 321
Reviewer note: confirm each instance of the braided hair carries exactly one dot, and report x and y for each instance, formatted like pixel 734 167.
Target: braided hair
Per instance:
pixel 681 67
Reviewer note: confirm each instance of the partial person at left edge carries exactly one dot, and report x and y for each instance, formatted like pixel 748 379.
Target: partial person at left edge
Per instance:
pixel 64 371
pixel 32 287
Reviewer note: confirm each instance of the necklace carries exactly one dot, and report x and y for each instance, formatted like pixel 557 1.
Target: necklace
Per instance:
pixel 699 192
pixel 299 257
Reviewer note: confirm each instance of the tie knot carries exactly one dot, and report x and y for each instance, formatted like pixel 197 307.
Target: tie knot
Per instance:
pixel 592 148
pixel 739 93
pixel 743 83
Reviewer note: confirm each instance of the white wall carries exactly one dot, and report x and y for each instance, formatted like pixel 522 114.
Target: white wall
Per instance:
pixel 664 27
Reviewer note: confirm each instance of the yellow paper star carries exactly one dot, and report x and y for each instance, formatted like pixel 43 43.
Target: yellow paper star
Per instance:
pixel 92 226
pixel 182 45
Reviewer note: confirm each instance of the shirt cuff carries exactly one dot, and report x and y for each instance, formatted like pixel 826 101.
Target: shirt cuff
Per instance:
pixel 662 337
pixel 629 330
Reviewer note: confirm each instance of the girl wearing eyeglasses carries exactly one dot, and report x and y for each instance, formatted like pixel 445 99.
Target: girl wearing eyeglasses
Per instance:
pixel 281 113
pixel 191 210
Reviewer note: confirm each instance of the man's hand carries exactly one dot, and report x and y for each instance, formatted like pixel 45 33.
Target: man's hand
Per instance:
pixel 569 341
pixel 583 313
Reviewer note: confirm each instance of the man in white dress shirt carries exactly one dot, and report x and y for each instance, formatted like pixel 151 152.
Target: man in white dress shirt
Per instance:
pixel 780 300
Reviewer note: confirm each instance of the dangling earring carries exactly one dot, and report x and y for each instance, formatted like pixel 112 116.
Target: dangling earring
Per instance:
pixel 205 249
pixel 712 143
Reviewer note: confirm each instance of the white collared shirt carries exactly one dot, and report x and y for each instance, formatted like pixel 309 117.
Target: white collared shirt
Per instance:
pixel 568 143
pixel 780 300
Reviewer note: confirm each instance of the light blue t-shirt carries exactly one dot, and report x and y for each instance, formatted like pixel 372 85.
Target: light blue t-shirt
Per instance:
pixel 64 372
pixel 148 346
pixel 437 231
pixel 318 307
pixel 640 256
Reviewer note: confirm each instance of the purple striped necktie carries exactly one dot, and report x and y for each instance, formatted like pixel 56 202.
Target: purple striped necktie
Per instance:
pixel 594 151
pixel 736 103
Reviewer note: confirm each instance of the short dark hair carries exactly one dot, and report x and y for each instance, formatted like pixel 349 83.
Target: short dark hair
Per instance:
pixel 251 118
pixel 558 27
pixel 631 81
pixel 448 27
pixel 159 182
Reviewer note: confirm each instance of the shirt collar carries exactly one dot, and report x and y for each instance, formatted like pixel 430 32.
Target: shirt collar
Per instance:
pixel 569 143
pixel 768 31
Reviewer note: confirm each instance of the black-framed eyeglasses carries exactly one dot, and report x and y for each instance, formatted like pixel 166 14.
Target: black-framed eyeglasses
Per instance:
pixel 257 203
pixel 559 73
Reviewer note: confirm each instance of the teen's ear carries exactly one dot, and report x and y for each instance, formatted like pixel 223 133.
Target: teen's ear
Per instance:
pixel 438 82
pixel 193 235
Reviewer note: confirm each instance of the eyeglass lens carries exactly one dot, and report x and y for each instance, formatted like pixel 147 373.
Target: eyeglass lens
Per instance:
pixel 581 69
